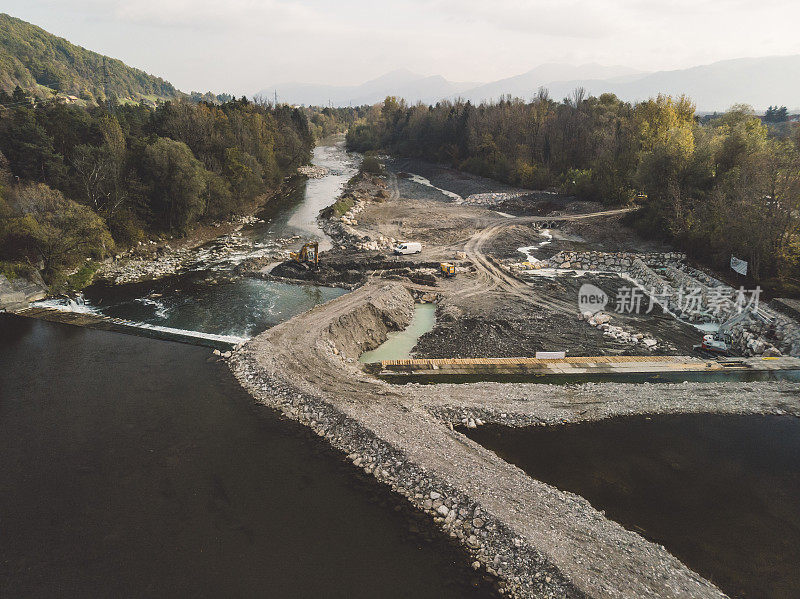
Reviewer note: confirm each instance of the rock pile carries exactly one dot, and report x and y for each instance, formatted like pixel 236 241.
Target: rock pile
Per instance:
pixel 342 230
pixel 166 261
pixel 601 321
pixel 609 261
pixel 312 171
pixel 492 198
pixel 779 336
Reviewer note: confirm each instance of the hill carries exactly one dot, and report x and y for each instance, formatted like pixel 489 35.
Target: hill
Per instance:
pixel 546 75
pixel 39 62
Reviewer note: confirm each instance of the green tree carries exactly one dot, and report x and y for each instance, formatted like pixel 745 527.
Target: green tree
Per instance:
pixel 46 227
pixel 177 181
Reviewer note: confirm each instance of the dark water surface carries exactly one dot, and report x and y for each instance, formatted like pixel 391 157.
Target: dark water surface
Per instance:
pixel 138 468
pixel 722 493
pixel 716 376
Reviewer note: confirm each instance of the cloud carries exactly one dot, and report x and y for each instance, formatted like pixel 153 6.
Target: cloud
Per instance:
pixel 222 16
pixel 552 18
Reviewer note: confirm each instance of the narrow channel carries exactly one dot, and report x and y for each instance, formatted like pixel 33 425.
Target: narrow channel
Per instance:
pixel 719 492
pixel 400 343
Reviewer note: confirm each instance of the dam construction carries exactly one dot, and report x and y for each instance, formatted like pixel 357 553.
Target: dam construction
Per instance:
pixel 538 540
pixel 512 291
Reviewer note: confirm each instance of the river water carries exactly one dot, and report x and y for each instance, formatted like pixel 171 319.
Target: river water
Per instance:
pixel 139 468
pixel 210 298
pixel 719 492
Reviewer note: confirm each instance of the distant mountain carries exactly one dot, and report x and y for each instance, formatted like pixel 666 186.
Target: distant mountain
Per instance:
pixel 403 83
pixel 760 82
pixel 39 61
pixel 546 75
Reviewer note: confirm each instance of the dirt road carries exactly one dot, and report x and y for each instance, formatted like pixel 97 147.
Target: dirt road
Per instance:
pixel 492 277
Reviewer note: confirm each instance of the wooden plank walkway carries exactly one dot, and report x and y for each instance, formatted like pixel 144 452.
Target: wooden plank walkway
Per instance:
pixel 535 361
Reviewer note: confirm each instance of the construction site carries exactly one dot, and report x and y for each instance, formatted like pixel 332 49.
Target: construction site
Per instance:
pixel 548 312
pixel 442 305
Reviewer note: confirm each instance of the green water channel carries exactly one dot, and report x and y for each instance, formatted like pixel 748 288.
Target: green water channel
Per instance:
pixel 399 344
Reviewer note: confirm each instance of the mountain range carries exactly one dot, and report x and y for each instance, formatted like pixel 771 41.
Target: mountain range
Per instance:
pixel 45 64
pixel 760 82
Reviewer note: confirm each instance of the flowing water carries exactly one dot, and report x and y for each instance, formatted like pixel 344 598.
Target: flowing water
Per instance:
pixel 209 298
pixel 719 492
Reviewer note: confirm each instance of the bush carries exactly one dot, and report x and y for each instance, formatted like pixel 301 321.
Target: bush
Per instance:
pixel 371 165
pixel 579 182
pixel 83 277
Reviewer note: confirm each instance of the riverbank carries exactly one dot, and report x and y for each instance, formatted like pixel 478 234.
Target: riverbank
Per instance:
pixel 155 259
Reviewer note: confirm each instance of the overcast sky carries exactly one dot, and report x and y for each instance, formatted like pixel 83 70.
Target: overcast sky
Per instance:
pixel 242 46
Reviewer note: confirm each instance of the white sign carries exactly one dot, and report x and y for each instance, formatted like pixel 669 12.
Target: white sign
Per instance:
pixel 739 266
pixel 550 355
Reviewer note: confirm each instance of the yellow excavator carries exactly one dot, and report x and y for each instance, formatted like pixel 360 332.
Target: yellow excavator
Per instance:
pixel 447 269
pixel 308 254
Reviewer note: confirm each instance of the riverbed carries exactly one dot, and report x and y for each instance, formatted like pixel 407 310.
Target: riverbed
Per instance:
pixel 210 297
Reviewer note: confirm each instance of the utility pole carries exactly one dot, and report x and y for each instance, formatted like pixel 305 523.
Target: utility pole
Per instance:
pixel 276 98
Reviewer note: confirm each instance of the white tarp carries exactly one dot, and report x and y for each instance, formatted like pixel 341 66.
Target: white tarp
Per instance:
pixel 739 266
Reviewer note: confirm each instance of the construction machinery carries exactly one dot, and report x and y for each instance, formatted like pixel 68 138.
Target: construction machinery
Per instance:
pixel 446 269
pixel 307 255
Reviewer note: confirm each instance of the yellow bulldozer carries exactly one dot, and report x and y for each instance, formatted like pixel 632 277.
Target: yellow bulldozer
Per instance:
pixel 308 254
pixel 446 269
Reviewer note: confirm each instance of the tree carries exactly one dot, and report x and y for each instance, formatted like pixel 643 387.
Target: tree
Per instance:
pixel 176 180
pixel 46 227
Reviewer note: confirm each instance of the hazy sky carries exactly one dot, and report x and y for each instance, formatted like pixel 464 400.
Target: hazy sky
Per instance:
pixel 241 46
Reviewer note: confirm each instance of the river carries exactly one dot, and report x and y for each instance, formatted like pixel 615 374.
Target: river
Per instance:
pixel 718 491
pixel 210 297
pixel 139 468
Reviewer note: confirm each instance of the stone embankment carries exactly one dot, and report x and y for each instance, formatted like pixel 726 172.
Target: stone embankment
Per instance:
pixel 776 335
pixel 538 541
pixel 609 261
pixel 20 292
pixel 690 294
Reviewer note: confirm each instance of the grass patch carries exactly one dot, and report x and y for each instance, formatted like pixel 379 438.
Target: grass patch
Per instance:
pixel 341 206
pixel 83 276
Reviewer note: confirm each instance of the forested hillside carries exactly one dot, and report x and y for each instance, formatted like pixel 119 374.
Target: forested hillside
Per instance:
pixel 39 62
pixel 727 186
pixel 76 181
